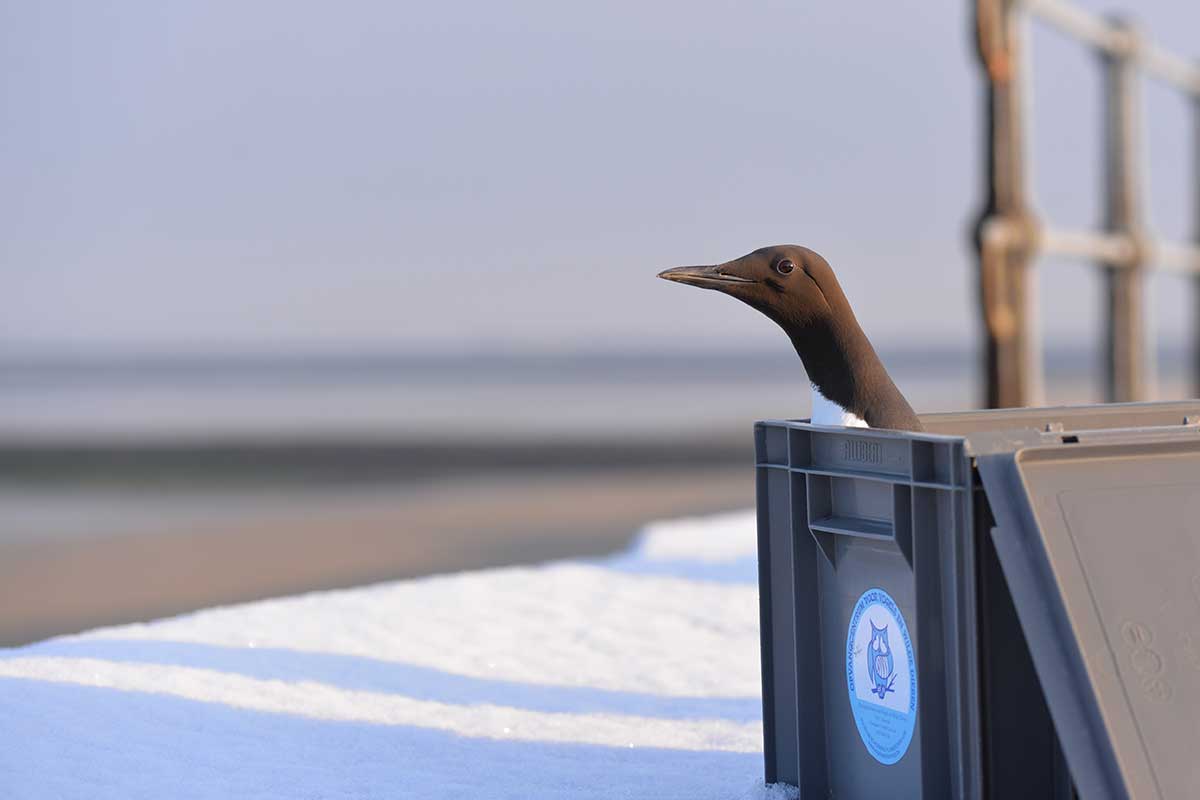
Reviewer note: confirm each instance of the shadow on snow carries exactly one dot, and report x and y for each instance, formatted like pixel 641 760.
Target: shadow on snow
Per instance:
pixel 417 682
pixel 76 741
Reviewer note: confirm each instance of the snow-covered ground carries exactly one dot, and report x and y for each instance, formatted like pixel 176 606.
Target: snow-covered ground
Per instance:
pixel 631 677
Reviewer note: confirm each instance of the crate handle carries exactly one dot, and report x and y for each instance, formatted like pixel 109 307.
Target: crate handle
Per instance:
pixel 825 528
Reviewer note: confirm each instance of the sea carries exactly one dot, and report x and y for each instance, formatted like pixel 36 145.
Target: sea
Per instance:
pixel 481 396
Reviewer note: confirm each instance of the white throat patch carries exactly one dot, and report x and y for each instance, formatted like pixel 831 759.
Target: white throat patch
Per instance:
pixel 827 412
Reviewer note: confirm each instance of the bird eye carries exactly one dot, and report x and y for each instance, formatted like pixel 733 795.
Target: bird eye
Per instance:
pixel 784 267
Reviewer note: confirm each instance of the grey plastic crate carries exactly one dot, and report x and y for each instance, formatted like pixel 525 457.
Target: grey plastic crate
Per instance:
pixel 895 529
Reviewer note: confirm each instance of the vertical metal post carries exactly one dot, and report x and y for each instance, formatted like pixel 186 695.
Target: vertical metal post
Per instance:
pixel 1004 249
pixel 1196 236
pixel 1126 343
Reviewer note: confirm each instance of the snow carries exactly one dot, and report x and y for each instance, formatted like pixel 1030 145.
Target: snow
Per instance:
pixel 634 676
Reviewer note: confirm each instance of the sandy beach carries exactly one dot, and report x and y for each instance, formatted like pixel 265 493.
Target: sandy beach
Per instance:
pixel 100 555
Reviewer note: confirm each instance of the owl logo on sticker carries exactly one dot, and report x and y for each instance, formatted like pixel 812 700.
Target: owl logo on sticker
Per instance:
pixel 880 663
pixel 881 675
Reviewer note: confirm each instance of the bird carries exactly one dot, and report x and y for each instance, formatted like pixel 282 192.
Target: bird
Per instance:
pixel 797 288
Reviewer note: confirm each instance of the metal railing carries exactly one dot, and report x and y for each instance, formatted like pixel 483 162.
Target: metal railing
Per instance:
pixel 1008 234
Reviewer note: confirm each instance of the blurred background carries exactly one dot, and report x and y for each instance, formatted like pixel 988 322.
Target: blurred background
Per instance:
pixel 304 295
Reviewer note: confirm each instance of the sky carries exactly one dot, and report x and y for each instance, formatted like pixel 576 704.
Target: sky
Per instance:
pixel 285 176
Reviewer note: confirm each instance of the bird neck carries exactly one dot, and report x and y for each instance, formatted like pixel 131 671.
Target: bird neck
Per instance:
pixel 844 367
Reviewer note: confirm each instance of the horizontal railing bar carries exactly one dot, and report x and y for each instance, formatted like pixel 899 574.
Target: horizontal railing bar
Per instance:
pixel 1111 248
pixel 1074 21
pixel 1176 257
pixel 1170 68
pixel 1106 35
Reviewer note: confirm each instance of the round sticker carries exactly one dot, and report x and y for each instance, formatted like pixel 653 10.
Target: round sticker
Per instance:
pixel 881 675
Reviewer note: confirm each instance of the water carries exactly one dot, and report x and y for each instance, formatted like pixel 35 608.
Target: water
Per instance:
pixel 468 397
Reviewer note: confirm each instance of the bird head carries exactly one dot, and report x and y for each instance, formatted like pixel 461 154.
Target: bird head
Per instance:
pixel 790 284
pixel 797 289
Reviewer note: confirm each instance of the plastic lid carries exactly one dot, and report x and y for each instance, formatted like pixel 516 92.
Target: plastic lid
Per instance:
pixel 1100 546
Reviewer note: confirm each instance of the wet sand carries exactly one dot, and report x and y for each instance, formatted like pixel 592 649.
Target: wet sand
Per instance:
pixel 112 560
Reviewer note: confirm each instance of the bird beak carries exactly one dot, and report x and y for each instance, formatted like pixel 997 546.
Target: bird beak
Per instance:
pixel 718 277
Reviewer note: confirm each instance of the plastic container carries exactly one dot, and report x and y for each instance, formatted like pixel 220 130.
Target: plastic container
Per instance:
pixel 898 662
